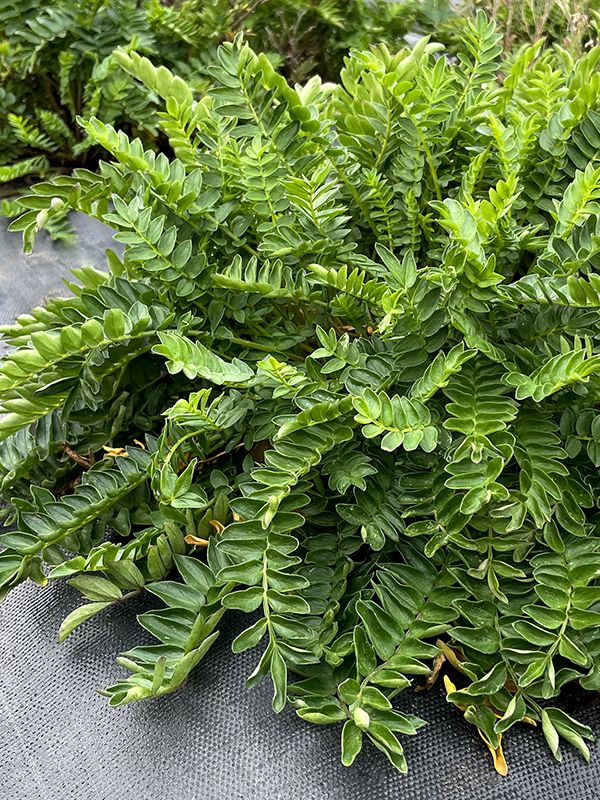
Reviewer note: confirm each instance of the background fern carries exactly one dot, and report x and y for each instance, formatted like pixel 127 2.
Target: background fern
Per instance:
pixel 58 63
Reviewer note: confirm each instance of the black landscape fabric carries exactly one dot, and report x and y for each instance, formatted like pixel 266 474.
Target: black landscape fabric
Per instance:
pixel 213 739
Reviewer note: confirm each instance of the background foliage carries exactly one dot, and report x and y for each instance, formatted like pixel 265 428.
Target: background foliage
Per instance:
pixel 570 23
pixel 57 63
pixel 344 379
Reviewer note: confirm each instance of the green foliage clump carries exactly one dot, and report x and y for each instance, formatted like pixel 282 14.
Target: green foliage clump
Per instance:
pixel 57 63
pixel 344 378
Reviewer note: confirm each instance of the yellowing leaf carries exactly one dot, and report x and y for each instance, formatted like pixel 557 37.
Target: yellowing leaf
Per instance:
pixel 497 755
pixel 191 539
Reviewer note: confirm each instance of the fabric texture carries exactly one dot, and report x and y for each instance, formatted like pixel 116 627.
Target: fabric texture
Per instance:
pixel 213 739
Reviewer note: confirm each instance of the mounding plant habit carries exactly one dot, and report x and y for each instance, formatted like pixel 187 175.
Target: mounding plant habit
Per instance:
pixel 344 378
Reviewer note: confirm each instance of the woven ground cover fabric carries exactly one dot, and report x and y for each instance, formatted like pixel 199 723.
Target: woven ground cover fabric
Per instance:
pixel 213 739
